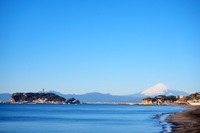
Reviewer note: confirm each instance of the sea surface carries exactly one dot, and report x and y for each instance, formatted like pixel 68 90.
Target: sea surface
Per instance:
pixel 94 118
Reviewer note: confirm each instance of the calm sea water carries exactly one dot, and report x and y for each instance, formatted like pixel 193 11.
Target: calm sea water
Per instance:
pixel 44 118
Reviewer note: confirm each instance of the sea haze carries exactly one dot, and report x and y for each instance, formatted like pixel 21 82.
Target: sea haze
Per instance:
pixel 32 118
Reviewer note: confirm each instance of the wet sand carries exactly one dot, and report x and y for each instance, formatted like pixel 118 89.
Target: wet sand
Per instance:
pixel 187 121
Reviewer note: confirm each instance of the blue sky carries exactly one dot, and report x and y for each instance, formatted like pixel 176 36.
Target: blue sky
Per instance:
pixel 118 47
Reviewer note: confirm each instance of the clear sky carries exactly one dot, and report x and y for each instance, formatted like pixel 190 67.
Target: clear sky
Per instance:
pixel 108 46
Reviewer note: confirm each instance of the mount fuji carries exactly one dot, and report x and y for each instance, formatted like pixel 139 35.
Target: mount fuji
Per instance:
pixel 161 89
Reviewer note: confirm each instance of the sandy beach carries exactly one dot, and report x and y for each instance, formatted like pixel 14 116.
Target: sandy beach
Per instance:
pixel 187 121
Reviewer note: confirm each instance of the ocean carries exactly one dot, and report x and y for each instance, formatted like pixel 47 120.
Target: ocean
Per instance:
pixel 84 118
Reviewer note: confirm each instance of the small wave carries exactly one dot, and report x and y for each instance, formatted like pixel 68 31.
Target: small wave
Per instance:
pixel 165 125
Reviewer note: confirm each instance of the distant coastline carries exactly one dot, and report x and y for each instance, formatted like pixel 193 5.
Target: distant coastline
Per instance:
pixel 98 98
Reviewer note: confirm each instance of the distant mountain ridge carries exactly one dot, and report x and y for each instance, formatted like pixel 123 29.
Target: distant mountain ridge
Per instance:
pixel 4 97
pixel 100 97
pixel 158 89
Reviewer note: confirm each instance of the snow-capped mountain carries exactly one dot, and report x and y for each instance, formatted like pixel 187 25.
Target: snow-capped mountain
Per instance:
pixel 161 89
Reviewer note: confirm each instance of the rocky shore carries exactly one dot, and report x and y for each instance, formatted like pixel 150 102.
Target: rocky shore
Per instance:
pixel 187 121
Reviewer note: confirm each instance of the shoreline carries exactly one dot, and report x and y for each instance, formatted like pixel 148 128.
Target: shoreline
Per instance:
pixel 187 121
pixel 166 127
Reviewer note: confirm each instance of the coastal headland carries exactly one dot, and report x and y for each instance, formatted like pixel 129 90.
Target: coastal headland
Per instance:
pixel 187 121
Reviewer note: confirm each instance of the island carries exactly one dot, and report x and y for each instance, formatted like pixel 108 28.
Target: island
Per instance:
pixel 40 98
